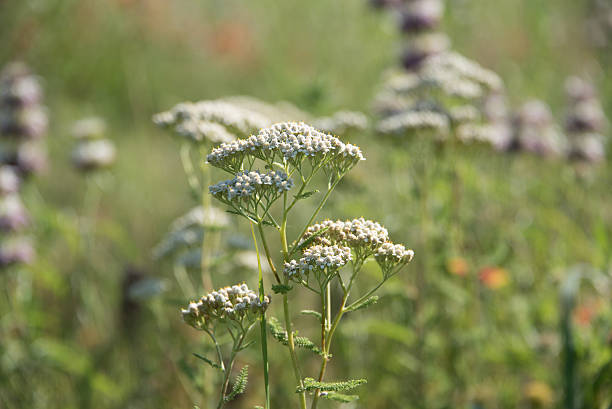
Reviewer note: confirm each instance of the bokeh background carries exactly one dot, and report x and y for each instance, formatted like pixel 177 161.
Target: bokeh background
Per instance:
pixel 73 337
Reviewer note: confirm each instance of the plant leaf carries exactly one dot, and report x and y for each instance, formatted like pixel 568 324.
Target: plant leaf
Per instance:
pixel 363 304
pixel 280 334
pixel 339 397
pixel 310 385
pixel 309 240
pixel 306 195
pixel 281 288
pixel 240 384
pixel 208 361
pixel 312 313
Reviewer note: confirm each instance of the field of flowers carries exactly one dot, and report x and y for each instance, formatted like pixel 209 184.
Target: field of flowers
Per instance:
pixel 300 204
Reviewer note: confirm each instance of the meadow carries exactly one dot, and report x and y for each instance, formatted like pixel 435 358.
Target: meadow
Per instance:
pixel 506 303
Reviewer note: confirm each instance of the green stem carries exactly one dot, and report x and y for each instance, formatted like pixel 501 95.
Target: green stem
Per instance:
pixel 288 325
pixel 205 257
pixel 321 204
pixel 263 330
pixel 267 252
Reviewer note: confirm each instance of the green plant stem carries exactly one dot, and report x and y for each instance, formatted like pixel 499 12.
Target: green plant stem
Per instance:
pixel 192 179
pixel 263 325
pixel 205 257
pixel 267 252
pixel 326 346
pixel 287 315
pixel 228 370
pixel 318 209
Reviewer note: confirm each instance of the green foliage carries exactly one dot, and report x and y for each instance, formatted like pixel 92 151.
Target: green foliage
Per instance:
pixel 339 397
pixel 311 385
pixel 240 384
pixel 280 334
pixel 208 361
pixel 312 313
pixel 364 304
pixel 281 288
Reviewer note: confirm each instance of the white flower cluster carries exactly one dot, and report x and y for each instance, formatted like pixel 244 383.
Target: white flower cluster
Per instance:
pixel 365 238
pixel 249 183
pixel 389 255
pixel 229 303
pixel 212 218
pixel 586 122
pixel 536 132
pixel 413 121
pixel 353 233
pixel 342 122
pixel 88 128
pixel 464 113
pixel 286 141
pixel 94 154
pixel 212 121
pixel 465 68
pixel 318 259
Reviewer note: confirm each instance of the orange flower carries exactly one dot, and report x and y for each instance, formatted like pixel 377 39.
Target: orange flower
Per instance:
pixel 494 277
pixel 457 266
pixel 538 394
pixel 586 311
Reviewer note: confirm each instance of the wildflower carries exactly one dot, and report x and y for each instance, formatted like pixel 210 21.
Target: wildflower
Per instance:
pixel 420 15
pixel 389 256
pixel 211 218
pixel 211 121
pixel 414 121
pixel 457 266
pixel 463 67
pixel 15 250
pixel 422 47
pixel 93 154
pixel 13 216
pixel 236 303
pixel 535 131
pixel 248 184
pixel 291 142
pixel 585 122
pixel 494 277
pixel 342 122
pixel 18 87
pixel 9 180
pixel 538 394
pixel 322 261
pixel 464 113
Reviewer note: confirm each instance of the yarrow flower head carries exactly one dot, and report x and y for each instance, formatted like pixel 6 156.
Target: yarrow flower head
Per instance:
pixel 236 303
pixel 415 121
pixel 361 235
pixel 323 261
pixel 252 185
pixel 287 142
pixel 212 121
pixel 389 256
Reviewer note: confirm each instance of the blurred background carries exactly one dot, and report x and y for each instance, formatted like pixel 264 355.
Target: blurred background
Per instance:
pixel 513 248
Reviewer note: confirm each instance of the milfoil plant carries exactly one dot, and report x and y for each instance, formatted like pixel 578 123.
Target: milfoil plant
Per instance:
pixel 271 172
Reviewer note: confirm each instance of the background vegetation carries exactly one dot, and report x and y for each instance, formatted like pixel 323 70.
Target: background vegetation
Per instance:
pixel 71 335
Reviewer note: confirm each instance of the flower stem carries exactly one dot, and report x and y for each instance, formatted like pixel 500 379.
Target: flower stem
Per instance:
pixel 264 340
pixel 288 325
pixel 205 258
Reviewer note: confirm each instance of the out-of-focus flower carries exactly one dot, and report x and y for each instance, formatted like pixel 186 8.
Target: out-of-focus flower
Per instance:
pixel 18 87
pixel 585 122
pixel 13 216
pixel 92 154
pixel 16 250
pixel 9 180
pixel 536 132
pixel 341 122
pixel 586 311
pixel 494 277
pixel 421 47
pixel 538 394
pixel 457 266
pixel 420 15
